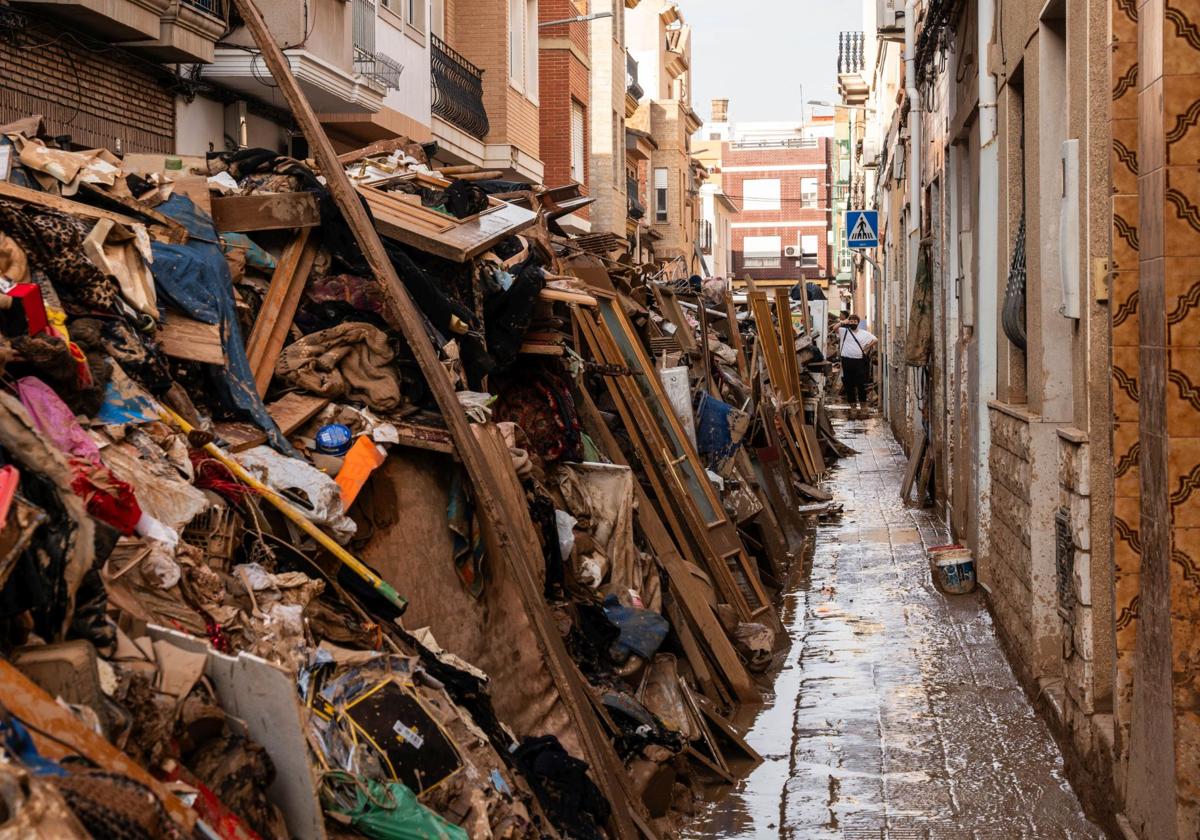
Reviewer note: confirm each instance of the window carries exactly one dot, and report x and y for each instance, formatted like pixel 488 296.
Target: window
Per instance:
pixel 808 193
pixel 413 11
pixel 523 46
pixel 578 118
pixel 760 194
pixel 660 196
pixel 516 42
pixel 808 251
pixel 761 251
pixel 531 49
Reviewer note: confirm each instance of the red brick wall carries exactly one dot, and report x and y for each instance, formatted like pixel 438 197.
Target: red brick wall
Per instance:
pixel 564 79
pixel 817 221
pixel 94 97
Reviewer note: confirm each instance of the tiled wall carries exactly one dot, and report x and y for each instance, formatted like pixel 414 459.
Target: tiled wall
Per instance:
pixel 1164 785
pixel 1127 546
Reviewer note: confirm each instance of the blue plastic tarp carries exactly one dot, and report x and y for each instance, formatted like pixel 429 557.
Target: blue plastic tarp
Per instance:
pixel 195 278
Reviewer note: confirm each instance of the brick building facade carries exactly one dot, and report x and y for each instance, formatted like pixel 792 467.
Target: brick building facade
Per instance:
pixel 565 93
pixel 783 192
pixel 102 99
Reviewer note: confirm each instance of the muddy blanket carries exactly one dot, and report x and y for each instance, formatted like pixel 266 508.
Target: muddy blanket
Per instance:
pixel 350 361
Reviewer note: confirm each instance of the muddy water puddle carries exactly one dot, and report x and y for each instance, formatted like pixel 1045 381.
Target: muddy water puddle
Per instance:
pixel 894 713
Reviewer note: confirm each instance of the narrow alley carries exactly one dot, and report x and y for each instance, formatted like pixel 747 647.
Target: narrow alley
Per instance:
pixel 896 714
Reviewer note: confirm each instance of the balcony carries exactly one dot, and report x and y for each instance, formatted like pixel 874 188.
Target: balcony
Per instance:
pixel 111 20
pixel 325 67
pixel 187 33
pixel 457 89
pixel 851 63
pixel 634 208
pixel 633 89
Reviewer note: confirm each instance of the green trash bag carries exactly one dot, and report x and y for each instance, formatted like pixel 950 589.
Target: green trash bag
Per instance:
pixel 383 811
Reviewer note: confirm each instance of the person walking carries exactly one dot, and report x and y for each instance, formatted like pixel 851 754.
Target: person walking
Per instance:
pixel 854 342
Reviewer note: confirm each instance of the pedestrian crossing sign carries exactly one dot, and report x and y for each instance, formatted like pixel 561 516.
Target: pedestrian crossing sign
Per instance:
pixel 863 227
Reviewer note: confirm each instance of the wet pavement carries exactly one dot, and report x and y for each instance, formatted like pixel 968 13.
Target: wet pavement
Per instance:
pixel 896 714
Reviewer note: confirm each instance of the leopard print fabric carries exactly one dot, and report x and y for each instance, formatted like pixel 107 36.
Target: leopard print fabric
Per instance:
pixel 53 242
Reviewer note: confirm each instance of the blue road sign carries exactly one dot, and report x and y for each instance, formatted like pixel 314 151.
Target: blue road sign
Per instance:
pixel 863 228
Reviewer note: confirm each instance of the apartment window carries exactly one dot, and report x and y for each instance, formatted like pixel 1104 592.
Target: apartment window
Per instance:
pixel 414 14
pixel 761 251
pixel 578 118
pixel 808 193
pixel 760 194
pixel 808 251
pixel 531 49
pixel 516 42
pixel 660 196
pixel 523 46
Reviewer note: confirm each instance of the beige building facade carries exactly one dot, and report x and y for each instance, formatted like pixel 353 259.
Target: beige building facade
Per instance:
pixel 1034 287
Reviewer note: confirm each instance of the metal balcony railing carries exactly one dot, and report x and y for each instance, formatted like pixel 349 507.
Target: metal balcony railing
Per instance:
pixel 633 204
pixel 632 86
pixel 457 89
pixel 215 8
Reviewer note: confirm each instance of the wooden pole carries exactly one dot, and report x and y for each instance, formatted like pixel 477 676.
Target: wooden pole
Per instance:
pixel 600 752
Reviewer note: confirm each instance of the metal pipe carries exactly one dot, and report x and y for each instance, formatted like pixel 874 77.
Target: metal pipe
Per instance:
pixel 986 298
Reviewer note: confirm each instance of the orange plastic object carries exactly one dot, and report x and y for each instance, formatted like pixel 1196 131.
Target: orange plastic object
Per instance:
pixel 364 458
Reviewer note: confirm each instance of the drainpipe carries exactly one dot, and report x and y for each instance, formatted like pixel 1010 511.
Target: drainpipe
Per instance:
pixel 916 150
pixel 986 299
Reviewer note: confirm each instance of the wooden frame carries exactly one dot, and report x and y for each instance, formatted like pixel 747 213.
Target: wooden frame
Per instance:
pixel 679 479
pixel 397 217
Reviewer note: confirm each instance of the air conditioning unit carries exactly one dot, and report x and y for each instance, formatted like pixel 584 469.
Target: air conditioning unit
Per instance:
pixel 792 252
pixel 889 15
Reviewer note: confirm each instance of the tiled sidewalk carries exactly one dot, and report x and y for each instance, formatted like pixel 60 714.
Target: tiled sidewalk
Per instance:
pixel 896 714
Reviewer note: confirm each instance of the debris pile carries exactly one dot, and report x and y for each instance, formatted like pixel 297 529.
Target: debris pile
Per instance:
pixel 256 581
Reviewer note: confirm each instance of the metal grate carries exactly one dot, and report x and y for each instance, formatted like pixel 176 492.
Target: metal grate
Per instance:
pixel 457 89
pixel 1064 563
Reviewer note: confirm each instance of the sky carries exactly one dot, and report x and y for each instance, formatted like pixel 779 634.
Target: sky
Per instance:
pixel 758 54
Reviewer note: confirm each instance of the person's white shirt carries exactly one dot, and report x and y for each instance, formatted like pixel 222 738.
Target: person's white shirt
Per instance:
pixel 849 347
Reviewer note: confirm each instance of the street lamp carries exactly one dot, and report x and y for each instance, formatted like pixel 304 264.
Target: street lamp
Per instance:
pixel 826 104
pixel 577 19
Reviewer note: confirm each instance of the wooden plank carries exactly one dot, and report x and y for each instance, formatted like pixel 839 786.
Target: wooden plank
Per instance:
pixel 914 463
pixel 665 449
pixel 176 232
pixel 270 211
pixel 486 483
pixel 182 337
pixel 279 308
pixel 291 411
pixel 68 736
pixel 454 239
pixel 726 728
pixel 63 205
pixel 691 599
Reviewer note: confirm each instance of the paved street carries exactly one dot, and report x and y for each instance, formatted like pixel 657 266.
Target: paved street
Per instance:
pixel 896 714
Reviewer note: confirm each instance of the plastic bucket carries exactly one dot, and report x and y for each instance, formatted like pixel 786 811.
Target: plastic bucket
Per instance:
pixel 953 569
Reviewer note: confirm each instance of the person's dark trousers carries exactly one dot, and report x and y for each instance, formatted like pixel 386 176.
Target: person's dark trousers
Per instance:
pixel 855 373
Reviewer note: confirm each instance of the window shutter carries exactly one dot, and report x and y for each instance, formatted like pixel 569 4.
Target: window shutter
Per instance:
pixel 577 145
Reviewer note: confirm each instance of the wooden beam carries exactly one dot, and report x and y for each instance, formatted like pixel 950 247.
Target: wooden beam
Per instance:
pixel 279 308
pixel 487 485
pixel 273 211
pixel 63 205
pixel 182 337
pixel 683 585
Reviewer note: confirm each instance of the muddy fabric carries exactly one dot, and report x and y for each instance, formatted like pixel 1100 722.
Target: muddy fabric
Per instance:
pixel 600 496
pixel 51 570
pixel 195 278
pixel 13 263
pixel 350 361
pixel 507 313
pixel 53 243
pixel 123 255
pixel 571 799
pixel 539 401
